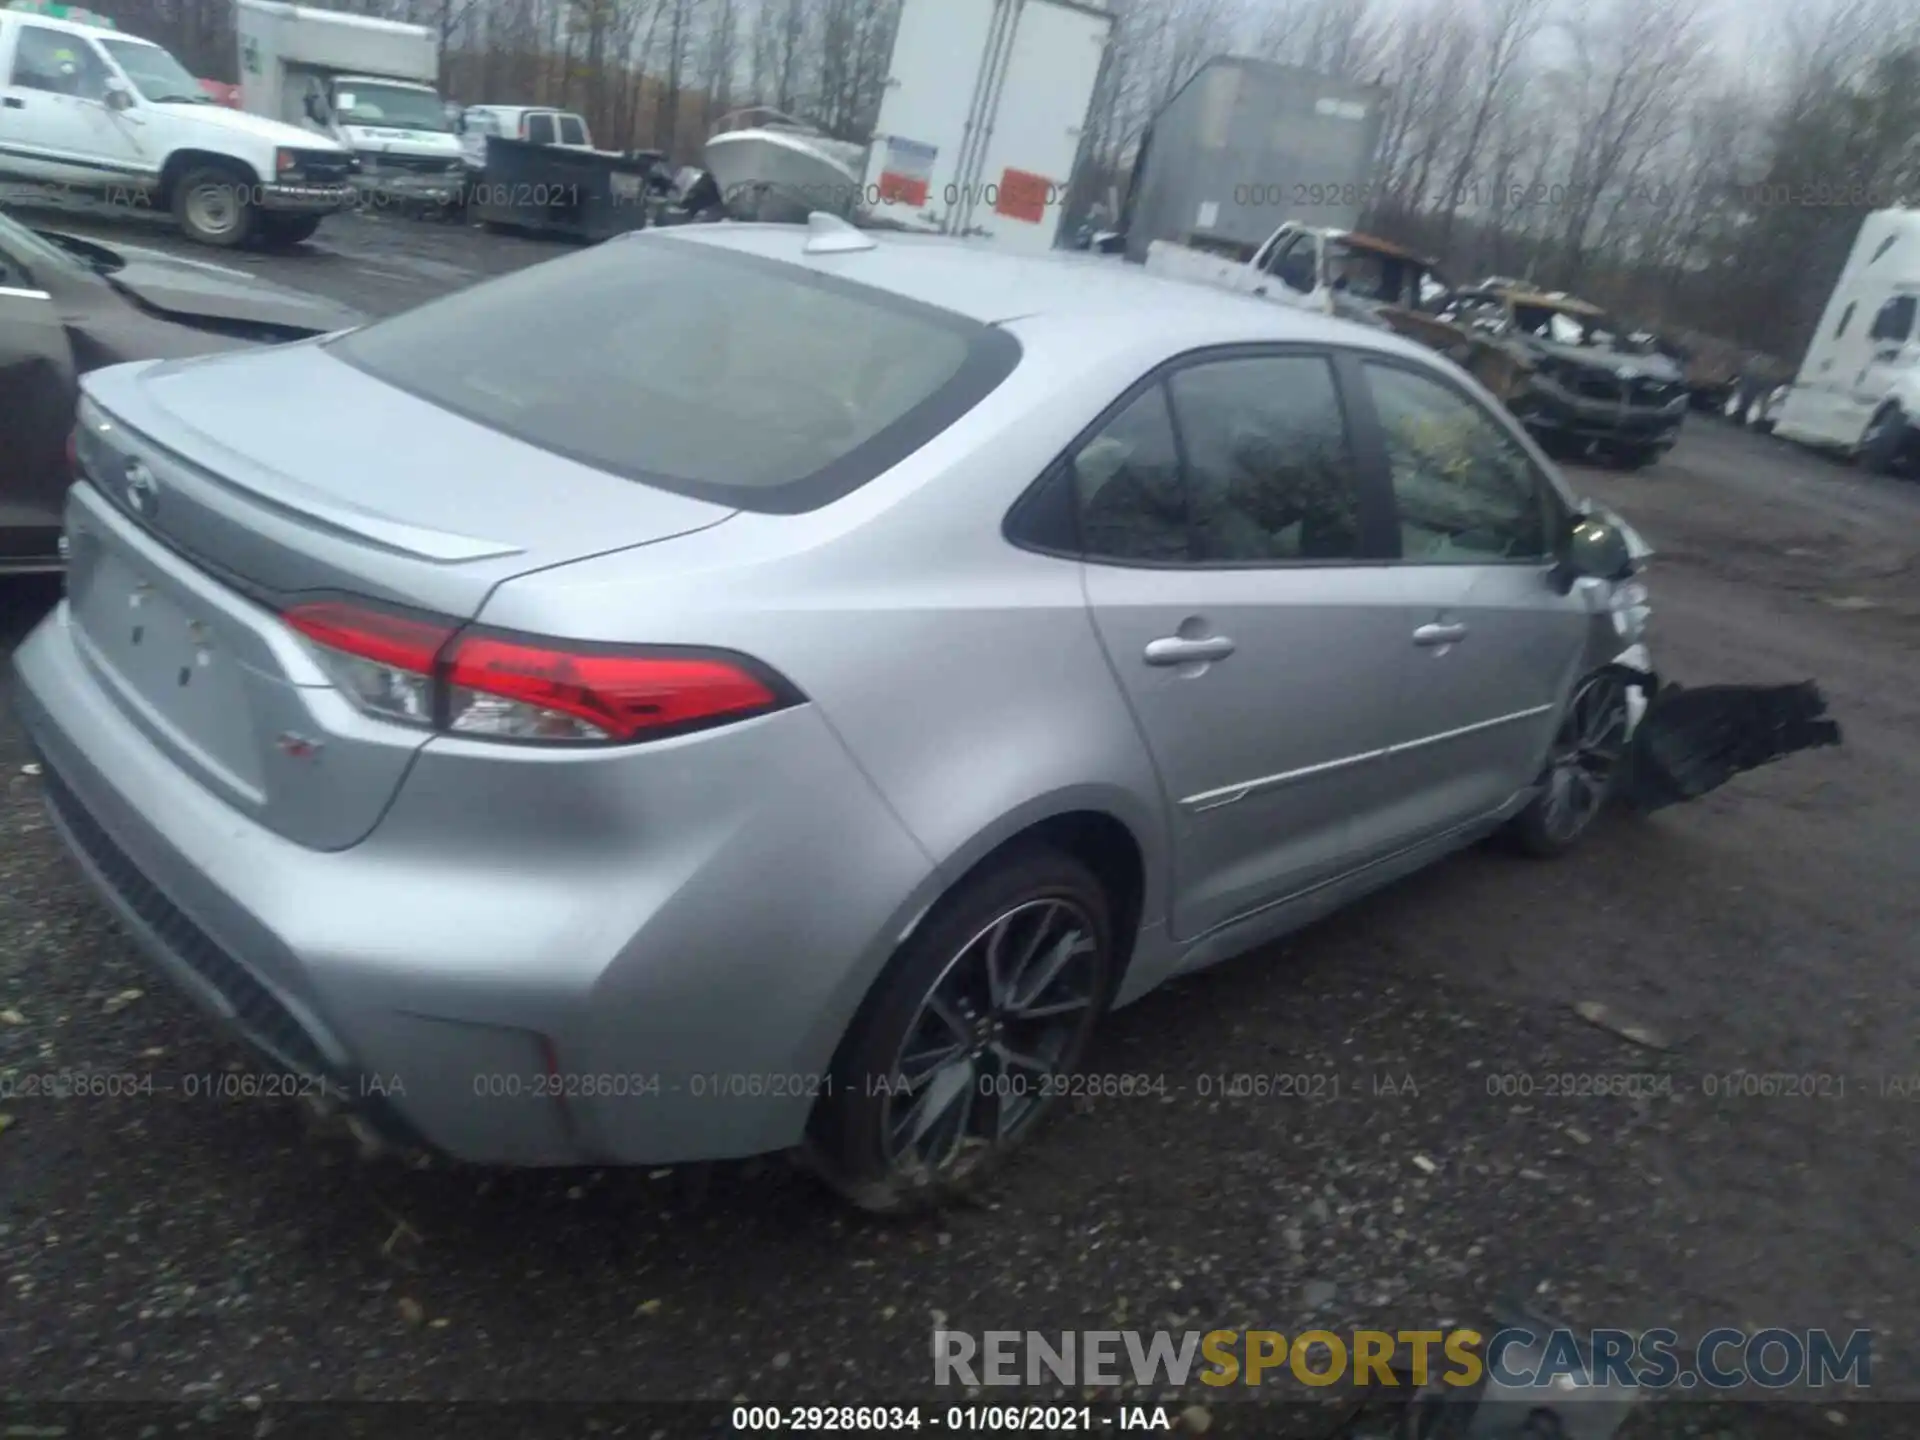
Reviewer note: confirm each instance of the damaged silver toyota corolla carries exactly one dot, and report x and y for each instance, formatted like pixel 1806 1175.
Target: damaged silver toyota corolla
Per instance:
pixel 749 688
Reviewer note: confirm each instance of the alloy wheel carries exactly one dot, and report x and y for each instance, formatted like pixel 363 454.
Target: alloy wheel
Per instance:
pixel 990 1043
pixel 1586 756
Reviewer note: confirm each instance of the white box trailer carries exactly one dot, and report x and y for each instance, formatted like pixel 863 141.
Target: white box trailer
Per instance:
pixel 984 120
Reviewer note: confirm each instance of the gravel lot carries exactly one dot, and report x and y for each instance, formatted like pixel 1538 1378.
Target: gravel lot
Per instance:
pixel 165 1248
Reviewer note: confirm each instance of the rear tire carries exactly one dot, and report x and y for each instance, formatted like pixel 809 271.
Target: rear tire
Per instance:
pixel 957 1054
pixel 214 206
pixel 281 232
pixel 1583 771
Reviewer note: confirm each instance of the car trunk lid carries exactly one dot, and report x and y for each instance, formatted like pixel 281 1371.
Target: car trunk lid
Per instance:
pixel 223 492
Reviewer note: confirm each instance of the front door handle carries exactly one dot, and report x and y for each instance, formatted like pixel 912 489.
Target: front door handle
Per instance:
pixel 1174 650
pixel 14 102
pixel 1439 634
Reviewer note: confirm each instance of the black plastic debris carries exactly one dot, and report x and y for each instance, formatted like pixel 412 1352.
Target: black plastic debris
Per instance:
pixel 1693 740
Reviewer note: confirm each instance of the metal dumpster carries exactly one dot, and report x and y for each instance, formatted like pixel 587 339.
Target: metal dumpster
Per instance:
pixel 586 195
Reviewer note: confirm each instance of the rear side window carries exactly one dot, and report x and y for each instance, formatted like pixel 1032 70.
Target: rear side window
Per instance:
pixel 734 378
pixel 573 130
pixel 540 129
pixel 1133 504
pixel 1270 475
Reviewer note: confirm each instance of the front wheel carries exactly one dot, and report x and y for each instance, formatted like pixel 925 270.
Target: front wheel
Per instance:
pixel 1583 770
pixel 970 1037
pixel 214 206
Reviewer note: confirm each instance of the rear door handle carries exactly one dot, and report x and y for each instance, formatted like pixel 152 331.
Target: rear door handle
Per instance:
pixel 14 102
pixel 1174 650
pixel 1439 634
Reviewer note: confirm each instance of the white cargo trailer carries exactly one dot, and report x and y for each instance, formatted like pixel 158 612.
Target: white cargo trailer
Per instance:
pixel 984 119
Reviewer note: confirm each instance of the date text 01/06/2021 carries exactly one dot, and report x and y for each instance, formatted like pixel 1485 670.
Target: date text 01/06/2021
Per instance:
pixel 974 1419
pixel 191 1085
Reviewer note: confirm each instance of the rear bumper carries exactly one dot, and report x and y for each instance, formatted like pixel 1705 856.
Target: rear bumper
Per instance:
pixel 500 991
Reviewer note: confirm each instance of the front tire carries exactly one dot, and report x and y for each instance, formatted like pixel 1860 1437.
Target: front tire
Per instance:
pixel 1584 767
pixel 961 1048
pixel 213 205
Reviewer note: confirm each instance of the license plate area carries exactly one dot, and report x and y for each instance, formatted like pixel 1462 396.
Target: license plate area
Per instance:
pixel 171 663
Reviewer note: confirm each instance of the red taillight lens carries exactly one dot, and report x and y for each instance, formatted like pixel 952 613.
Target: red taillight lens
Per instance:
pixel 614 696
pixel 381 661
pixel 425 671
pixel 377 635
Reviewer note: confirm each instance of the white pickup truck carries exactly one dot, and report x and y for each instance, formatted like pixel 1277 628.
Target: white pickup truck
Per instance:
pixel 533 124
pixel 1340 272
pixel 85 108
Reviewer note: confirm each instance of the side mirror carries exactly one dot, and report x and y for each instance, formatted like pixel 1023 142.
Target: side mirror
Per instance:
pixel 118 97
pixel 1596 550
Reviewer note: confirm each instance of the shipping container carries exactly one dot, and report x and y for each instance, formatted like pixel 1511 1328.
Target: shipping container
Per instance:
pixel 984 120
pixel 1246 145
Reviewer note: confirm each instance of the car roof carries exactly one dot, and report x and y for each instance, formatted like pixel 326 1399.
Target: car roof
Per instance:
pixel 1096 298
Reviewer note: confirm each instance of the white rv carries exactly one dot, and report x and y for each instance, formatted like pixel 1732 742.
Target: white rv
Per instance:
pixel 365 82
pixel 1858 390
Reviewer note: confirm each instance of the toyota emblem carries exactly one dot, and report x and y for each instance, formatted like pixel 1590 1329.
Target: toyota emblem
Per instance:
pixel 143 494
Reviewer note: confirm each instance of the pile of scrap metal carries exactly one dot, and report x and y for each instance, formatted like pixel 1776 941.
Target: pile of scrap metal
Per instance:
pixel 1718 371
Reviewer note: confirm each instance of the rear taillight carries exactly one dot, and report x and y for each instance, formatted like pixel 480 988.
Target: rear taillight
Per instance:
pixel 423 670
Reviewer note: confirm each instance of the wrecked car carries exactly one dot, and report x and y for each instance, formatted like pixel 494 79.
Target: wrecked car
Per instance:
pixel 1219 618
pixel 68 305
pixel 1569 372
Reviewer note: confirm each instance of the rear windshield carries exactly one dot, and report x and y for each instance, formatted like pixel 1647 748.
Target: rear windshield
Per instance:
pixel 733 378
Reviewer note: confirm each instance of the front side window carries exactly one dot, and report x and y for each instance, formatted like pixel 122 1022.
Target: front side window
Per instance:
pixel 1294 266
pixel 1894 323
pixel 685 365
pixel 1466 492
pixel 1126 482
pixel 540 129
pixel 52 60
pixel 1270 475
pixel 573 130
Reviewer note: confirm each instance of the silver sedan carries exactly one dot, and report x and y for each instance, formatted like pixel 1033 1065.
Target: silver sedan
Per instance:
pixel 752 688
